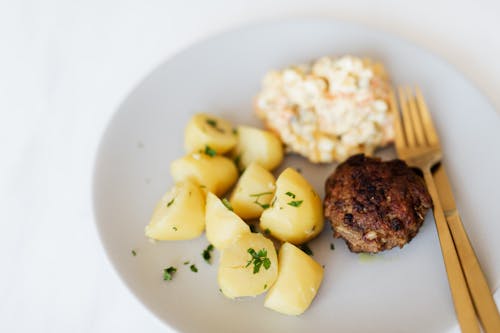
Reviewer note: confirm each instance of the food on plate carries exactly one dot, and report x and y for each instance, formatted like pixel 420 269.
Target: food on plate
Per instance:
pixel 222 225
pixel 375 205
pixel 299 279
pixel 215 173
pixel 180 214
pixel 256 145
pixel 248 267
pixel 295 214
pixel 329 109
pixel 208 130
pixel 253 192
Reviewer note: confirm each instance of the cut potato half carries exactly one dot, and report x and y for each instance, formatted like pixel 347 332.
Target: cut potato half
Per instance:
pixel 253 192
pixel 296 211
pixel 179 215
pixel 205 130
pixel 223 226
pixel 298 282
pixel 215 173
pixel 256 145
pixel 238 275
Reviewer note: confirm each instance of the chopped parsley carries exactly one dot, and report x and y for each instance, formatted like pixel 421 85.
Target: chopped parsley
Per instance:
pixel 260 194
pixel 168 273
pixel 212 122
pixel 134 253
pixel 209 151
pixel 258 259
pixel 290 194
pixel 170 202
pixel 267 231
pixel 175 228
pixel 332 246
pixel 265 286
pixel 307 250
pixel 257 197
pixel 227 204
pixel 193 268
pixel 206 253
pixel 235 131
pixel 186 262
pixel 295 203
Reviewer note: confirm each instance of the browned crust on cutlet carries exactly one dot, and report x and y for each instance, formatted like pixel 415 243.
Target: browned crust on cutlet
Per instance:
pixel 375 205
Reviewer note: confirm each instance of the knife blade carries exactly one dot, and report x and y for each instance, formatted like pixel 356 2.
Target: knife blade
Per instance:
pixel 481 294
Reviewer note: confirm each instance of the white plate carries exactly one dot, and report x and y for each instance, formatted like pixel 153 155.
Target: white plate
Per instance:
pixel 398 291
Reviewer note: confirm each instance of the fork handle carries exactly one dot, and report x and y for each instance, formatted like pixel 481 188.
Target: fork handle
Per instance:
pixel 460 293
pixel 481 294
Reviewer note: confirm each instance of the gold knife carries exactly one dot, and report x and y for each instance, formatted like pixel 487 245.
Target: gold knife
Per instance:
pixel 478 286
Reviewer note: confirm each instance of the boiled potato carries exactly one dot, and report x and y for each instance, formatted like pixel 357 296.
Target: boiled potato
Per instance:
pixel 296 212
pixel 180 214
pixel 238 275
pixel 215 173
pixel 223 226
pixel 204 130
pixel 299 279
pixel 253 192
pixel 255 145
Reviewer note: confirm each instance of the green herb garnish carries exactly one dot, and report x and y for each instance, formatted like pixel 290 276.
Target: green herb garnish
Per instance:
pixel 290 194
pixel 193 268
pixel 175 228
pixel 134 253
pixel 252 228
pixel 186 262
pixel 265 286
pixel 227 204
pixel 168 273
pixel 332 247
pixel 206 253
pixel 170 202
pixel 235 131
pixel 307 250
pixel 257 197
pixel 267 231
pixel 296 203
pixel 258 259
pixel 209 151
pixel 213 124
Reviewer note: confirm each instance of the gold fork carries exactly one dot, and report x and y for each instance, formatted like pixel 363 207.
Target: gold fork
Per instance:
pixel 420 148
pixel 476 281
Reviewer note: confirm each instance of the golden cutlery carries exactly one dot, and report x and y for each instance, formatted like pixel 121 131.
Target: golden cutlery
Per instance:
pixel 419 147
pixel 478 287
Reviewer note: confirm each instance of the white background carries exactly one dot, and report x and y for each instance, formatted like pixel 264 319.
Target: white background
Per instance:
pixel 64 68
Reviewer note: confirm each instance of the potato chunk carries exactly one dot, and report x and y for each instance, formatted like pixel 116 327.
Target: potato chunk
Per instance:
pixel 208 130
pixel 296 212
pixel 256 145
pixel 243 274
pixel 253 192
pixel 216 173
pixel 180 214
pixel 299 279
pixel 223 226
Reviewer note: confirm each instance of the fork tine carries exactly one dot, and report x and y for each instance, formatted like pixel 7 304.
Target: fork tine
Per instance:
pixel 415 118
pixel 405 114
pixel 399 135
pixel 425 116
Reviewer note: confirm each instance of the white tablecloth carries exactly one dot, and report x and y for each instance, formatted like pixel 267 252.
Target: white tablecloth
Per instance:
pixel 64 68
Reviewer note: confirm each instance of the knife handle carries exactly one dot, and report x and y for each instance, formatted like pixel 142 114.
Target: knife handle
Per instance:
pixel 478 287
